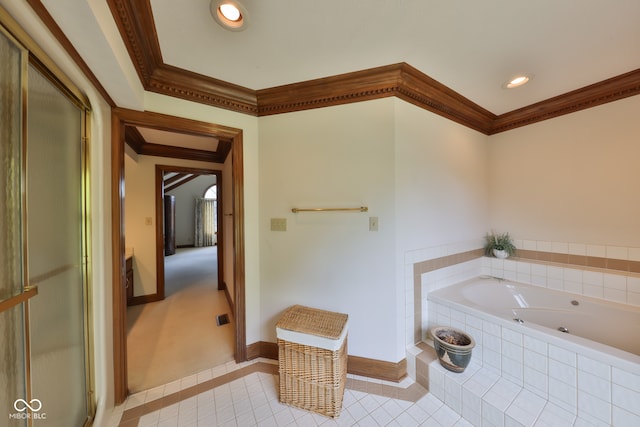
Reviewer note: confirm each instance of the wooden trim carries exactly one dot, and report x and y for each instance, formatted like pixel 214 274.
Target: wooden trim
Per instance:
pixel 227 295
pixel 266 349
pixel 121 118
pixel 400 80
pixel 180 183
pixel 159 150
pixel 237 174
pixel 613 89
pixel 136 141
pixel 191 86
pixel 118 272
pixel 176 177
pixel 137 29
pixel 379 369
pixel 429 94
pixel 144 299
pixel 59 35
pixel 135 21
pixel 374 83
pixel 372 368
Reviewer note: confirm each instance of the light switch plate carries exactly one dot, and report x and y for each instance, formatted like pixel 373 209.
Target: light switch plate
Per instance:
pixel 278 224
pixel 373 223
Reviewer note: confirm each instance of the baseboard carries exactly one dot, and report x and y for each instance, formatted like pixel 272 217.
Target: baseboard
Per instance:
pixel 264 349
pixel 143 299
pixel 228 296
pixel 362 366
pixel 379 369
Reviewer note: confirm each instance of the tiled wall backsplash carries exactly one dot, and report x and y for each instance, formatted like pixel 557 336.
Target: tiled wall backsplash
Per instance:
pixel 606 272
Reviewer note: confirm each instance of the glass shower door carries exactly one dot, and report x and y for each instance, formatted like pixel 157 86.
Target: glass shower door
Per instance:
pixel 12 295
pixel 56 261
pixel 44 356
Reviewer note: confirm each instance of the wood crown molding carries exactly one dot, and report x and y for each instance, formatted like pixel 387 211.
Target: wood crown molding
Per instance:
pixel 613 89
pixel 135 23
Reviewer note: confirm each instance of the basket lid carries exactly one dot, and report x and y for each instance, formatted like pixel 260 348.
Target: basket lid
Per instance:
pixel 313 321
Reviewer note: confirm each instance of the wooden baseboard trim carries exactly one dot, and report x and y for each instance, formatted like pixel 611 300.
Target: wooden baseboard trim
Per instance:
pixel 143 299
pixel 370 368
pixel 264 349
pixel 228 296
pixel 379 369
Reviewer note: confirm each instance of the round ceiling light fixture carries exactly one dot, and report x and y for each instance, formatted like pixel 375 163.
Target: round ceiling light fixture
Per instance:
pixel 517 81
pixel 230 14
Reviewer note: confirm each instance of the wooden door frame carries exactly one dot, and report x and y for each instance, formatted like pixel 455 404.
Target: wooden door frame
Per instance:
pixel 220 241
pixel 121 117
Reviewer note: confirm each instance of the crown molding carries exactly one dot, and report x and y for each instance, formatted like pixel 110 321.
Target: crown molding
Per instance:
pixel 613 89
pixel 134 19
pixel 399 80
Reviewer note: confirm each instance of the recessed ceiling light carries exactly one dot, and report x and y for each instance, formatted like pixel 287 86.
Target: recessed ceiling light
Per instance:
pixel 517 81
pixel 230 14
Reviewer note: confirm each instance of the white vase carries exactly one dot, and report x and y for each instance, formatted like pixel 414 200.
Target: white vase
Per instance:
pixel 500 253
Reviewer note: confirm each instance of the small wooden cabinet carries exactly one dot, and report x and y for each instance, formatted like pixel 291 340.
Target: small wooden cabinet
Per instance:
pixel 129 282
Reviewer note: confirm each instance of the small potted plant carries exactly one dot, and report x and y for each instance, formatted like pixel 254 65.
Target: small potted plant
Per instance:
pixel 499 245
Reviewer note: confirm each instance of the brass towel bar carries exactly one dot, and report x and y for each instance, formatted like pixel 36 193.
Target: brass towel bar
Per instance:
pixel 360 209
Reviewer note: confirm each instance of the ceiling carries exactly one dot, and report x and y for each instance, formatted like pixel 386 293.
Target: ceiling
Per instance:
pixel 470 47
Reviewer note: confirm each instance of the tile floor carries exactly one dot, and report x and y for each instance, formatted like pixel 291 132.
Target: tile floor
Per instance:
pixel 247 395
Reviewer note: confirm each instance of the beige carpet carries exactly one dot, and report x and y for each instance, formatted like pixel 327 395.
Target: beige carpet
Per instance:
pixel 179 336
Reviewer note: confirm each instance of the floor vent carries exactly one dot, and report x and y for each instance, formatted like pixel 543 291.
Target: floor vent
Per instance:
pixel 222 319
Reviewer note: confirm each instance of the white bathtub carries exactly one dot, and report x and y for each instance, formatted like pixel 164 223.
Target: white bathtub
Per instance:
pixel 593 371
pixel 599 325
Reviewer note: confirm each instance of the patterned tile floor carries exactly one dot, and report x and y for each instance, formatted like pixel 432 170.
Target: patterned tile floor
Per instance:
pixel 247 395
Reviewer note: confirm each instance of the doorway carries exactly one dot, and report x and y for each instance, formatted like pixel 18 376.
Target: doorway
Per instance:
pixel 161 189
pixel 175 334
pixel 120 119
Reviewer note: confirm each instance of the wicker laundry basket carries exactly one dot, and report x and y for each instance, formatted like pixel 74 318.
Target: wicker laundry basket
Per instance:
pixel 312 355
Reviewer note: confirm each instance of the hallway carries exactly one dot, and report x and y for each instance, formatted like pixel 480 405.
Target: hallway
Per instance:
pixel 179 336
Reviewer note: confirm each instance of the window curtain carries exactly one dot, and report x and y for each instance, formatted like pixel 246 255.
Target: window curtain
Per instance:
pixel 205 233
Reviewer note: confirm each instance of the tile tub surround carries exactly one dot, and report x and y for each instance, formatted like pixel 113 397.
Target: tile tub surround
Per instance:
pixel 607 272
pixel 539 373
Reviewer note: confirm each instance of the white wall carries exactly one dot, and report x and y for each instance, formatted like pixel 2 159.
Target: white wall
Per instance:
pixel 331 157
pixel 423 176
pixel 441 180
pixel 441 198
pixel 570 179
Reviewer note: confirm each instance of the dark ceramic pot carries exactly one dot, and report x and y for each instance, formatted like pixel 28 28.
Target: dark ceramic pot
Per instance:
pixel 453 347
